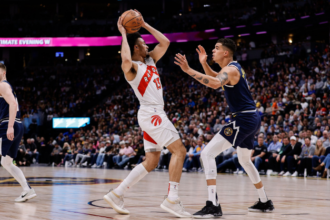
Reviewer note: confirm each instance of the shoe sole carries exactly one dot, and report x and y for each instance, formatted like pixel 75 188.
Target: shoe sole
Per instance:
pixel 258 210
pixel 205 216
pixel 114 206
pixel 172 212
pixel 28 198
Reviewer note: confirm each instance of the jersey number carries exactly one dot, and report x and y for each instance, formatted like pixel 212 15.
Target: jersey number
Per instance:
pixel 17 104
pixel 157 82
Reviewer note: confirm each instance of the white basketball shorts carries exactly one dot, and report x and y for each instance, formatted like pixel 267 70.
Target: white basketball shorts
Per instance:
pixel 158 131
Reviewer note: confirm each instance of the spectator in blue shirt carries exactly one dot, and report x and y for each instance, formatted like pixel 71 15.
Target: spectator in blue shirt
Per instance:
pixel 192 159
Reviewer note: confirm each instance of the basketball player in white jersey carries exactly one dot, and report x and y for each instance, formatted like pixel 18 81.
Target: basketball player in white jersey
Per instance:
pixel 139 67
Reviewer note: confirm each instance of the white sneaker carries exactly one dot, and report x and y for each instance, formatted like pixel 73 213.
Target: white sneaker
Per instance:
pixel 295 174
pixel 184 169
pixel 25 196
pixel 281 173
pixel 274 173
pixel 116 202
pixel 269 172
pixel 200 169
pixel 175 207
pixel 94 166
pixel 240 172
pixel 236 172
pixel 287 174
pixel 84 164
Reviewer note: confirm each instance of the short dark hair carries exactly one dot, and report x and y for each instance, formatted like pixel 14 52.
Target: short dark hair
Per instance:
pixel 132 40
pixel 308 138
pixel 2 66
pixel 229 43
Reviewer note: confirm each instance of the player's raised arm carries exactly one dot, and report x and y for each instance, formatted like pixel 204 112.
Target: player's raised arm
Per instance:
pixel 203 60
pixel 223 78
pixel 164 42
pixel 6 92
pixel 127 65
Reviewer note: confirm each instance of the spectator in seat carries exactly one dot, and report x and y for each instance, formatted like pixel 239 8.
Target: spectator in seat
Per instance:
pixel 258 154
pixel 325 139
pixel 55 156
pixel 118 157
pixel 21 159
pixel 292 156
pixel 100 156
pixel 324 165
pixel 311 136
pixel 280 159
pixel 273 149
pixel 140 154
pixel 305 157
pixel 192 159
pixel 319 155
pixel 127 154
pixel 231 162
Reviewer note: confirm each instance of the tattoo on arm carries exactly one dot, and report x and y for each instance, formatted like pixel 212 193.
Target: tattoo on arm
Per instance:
pixel 223 78
pixel 193 75
pixel 200 78
pixel 206 81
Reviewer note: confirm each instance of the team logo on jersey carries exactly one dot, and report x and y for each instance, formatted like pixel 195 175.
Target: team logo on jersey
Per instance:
pixel 228 131
pixel 156 120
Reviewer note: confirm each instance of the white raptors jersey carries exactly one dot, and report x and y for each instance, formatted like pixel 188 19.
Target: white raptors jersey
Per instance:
pixel 146 84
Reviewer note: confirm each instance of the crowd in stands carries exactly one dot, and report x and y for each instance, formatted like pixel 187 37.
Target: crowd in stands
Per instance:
pixel 291 95
pixel 190 19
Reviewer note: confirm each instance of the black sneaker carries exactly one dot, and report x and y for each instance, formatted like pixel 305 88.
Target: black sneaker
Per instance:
pixel 262 207
pixel 209 211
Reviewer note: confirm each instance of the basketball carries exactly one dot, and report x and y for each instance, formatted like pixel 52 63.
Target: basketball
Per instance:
pixel 132 21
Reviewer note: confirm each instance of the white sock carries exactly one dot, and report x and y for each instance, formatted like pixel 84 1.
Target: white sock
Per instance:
pixel 133 177
pixel 212 189
pixel 7 163
pixel 173 191
pixel 262 195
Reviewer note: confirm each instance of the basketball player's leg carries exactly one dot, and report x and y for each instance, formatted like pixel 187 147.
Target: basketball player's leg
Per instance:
pixel 244 157
pixel 175 167
pixel 217 145
pixel 172 203
pixel 9 151
pixel 115 198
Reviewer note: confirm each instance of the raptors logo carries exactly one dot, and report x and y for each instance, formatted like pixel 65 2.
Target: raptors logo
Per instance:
pixel 156 120
pixel 228 131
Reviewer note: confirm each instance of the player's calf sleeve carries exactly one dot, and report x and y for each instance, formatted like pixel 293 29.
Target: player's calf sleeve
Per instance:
pixel 217 145
pixel 244 158
pixel 7 163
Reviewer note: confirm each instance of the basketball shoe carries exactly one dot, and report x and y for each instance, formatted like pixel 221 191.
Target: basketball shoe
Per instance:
pixel 262 207
pixel 209 211
pixel 26 195
pixel 175 207
pixel 116 202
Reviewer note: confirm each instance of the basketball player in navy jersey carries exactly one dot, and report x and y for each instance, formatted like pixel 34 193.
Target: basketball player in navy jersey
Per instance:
pixel 239 133
pixel 11 132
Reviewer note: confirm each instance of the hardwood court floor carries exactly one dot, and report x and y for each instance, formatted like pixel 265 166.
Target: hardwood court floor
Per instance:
pixel 70 195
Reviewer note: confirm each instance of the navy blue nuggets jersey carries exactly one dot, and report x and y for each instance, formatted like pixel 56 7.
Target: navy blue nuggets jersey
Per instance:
pixel 239 97
pixel 4 107
pixel 245 124
pixel 9 147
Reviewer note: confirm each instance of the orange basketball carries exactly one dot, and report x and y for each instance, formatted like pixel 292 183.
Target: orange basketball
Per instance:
pixel 132 21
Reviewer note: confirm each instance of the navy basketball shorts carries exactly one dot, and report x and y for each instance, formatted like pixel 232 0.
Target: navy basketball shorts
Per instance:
pixel 8 147
pixel 242 130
